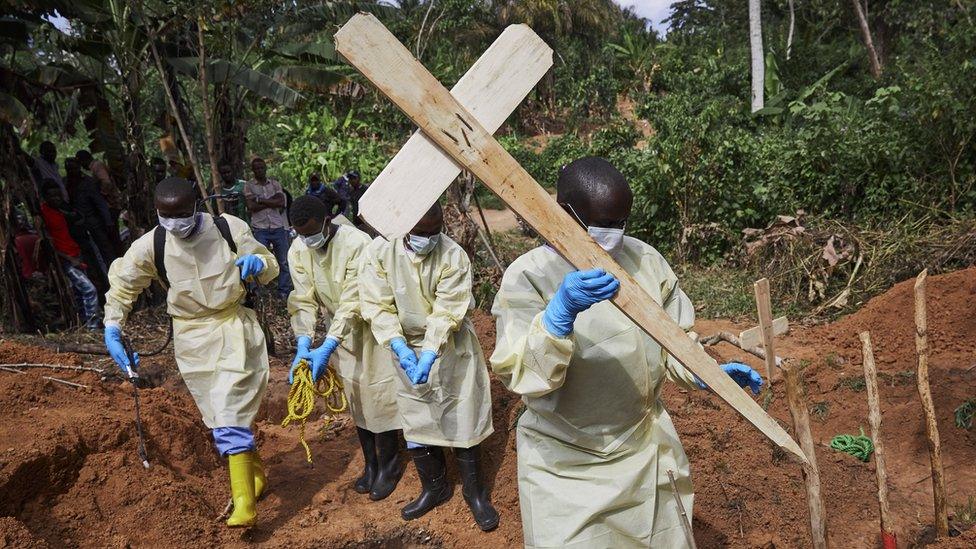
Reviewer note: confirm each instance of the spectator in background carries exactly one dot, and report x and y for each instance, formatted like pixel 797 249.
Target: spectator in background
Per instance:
pixel 158 169
pixel 232 193
pixel 46 166
pixel 109 190
pixel 316 188
pixel 356 191
pixel 33 263
pixel 350 190
pixel 86 199
pixel 59 229
pixel 266 201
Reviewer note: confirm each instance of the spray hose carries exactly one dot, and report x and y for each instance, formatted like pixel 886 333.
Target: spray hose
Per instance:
pixel 301 399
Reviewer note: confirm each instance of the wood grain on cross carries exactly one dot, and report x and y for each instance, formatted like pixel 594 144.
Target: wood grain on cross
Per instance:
pixel 367 45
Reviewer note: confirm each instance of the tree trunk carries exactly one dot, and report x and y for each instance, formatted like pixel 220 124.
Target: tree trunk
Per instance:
pixel 873 56
pixel 140 203
pixel 208 123
pixel 168 91
pixel 789 35
pixel 230 131
pixel 756 48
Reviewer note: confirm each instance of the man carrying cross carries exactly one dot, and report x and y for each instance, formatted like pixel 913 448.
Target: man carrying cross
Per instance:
pixel 456 131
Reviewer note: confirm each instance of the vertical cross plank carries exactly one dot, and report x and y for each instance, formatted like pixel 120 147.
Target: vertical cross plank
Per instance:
pixel 928 407
pixel 765 309
pixel 811 473
pixel 370 47
pixel 874 418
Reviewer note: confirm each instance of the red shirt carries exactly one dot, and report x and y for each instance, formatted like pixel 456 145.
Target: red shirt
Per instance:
pixel 27 249
pixel 57 227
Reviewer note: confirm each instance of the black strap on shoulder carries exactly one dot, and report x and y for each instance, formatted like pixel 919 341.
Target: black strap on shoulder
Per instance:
pixel 159 252
pixel 222 226
pixel 159 246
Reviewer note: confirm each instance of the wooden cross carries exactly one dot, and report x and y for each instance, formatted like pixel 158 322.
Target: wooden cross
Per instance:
pixel 767 329
pixel 458 131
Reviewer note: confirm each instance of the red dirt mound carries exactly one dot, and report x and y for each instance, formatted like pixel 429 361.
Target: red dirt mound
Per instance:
pixel 70 476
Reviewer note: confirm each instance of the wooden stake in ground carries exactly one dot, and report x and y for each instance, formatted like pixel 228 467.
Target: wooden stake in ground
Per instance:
pixel 685 523
pixel 874 418
pixel 453 131
pixel 765 310
pixel 811 473
pixel 928 407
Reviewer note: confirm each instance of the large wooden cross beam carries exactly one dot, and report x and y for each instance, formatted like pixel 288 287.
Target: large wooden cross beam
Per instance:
pixel 449 130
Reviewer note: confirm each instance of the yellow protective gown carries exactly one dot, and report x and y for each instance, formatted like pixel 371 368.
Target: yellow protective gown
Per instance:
pixel 328 278
pixel 595 443
pixel 426 300
pixel 218 343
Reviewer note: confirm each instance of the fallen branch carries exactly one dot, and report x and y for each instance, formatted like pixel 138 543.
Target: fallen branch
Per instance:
pixel 71 383
pixel 53 367
pixel 730 338
pixel 6 369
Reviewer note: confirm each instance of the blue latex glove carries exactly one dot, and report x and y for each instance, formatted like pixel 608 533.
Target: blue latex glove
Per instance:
pixel 320 357
pixel 424 365
pixel 406 356
pixel 113 342
pixel 251 265
pixel 578 291
pixel 302 352
pixel 744 376
pixel 741 374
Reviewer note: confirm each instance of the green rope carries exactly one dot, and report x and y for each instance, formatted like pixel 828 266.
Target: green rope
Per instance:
pixel 860 447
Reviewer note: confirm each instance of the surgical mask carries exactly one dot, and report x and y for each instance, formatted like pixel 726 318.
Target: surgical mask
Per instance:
pixel 422 245
pixel 610 240
pixel 317 240
pixel 181 227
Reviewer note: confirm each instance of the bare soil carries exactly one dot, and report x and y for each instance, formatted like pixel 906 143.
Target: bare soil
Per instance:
pixel 70 476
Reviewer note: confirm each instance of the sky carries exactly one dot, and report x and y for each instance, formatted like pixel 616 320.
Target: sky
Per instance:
pixel 654 10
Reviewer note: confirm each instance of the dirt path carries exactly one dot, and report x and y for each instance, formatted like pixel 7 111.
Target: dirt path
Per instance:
pixel 500 221
pixel 70 477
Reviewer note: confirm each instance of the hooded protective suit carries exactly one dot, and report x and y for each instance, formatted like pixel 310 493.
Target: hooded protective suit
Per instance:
pixel 426 299
pixel 595 443
pixel 329 278
pixel 218 343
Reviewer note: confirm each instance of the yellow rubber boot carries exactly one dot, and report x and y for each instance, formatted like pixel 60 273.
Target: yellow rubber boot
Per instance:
pixel 242 490
pixel 260 478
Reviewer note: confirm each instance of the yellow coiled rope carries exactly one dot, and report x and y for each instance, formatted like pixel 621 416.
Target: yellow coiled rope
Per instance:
pixel 301 399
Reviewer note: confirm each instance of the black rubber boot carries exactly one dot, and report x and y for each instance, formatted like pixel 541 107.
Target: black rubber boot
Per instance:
pixel 367 440
pixel 389 468
pixel 432 470
pixel 475 495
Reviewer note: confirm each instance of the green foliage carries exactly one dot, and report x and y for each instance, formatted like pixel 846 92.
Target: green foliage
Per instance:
pixel 316 141
pixel 964 414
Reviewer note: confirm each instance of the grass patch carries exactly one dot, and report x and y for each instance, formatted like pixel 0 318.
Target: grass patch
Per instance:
pixel 964 514
pixel 718 292
pixel 821 410
pixel 834 360
pixel 854 383
pixel 964 416
pixel 905 377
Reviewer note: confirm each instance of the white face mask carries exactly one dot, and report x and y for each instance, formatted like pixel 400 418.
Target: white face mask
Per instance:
pixel 180 227
pixel 422 245
pixel 317 240
pixel 610 240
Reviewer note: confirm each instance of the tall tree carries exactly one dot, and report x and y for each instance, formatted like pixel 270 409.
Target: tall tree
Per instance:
pixel 862 20
pixel 756 49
